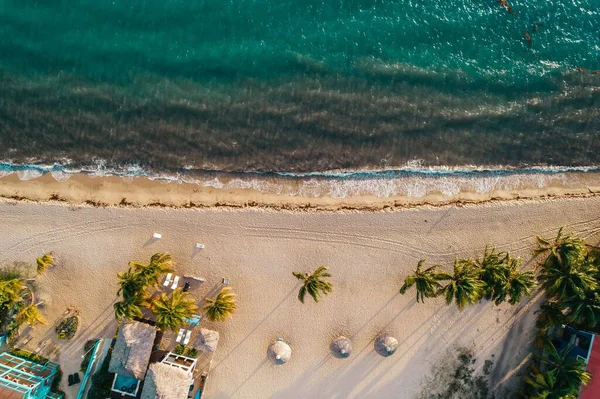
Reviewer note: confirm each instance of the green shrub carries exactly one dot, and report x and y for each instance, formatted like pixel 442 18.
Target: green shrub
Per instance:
pixel 192 352
pixel 87 350
pixel 29 356
pixel 179 349
pixel 56 383
pixel 67 328
pixel 102 381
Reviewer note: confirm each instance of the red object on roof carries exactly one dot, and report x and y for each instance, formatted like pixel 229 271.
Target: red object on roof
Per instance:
pixel 592 389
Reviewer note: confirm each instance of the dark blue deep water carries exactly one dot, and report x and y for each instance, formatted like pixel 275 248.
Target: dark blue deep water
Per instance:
pixel 300 85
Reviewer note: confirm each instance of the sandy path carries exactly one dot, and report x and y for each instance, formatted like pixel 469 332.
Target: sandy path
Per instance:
pixel 368 253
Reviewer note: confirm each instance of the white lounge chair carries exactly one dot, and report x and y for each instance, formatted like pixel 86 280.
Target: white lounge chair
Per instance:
pixel 175 282
pixel 168 279
pixel 199 246
pixel 180 335
pixel 188 335
pixel 157 236
pixel 225 281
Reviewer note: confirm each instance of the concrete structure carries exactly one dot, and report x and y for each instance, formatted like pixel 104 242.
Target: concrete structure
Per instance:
pixel 24 379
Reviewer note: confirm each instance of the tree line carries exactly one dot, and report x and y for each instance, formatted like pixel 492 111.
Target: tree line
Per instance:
pixel 569 275
pixel 496 276
pixel 17 296
pixel 171 311
pixel 568 272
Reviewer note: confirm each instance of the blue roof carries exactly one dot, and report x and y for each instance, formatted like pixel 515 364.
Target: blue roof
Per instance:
pixel 26 377
pixel 571 336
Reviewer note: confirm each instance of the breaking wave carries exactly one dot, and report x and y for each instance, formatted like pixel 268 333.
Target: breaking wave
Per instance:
pixel 412 180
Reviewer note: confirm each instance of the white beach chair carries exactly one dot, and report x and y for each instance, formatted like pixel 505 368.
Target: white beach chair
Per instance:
pixel 157 236
pixel 180 335
pixel 168 279
pixel 188 335
pixel 199 246
pixel 225 281
pixel 175 282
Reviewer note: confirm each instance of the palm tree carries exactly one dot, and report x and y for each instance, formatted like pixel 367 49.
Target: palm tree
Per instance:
pixel 549 315
pixel 313 284
pixel 44 262
pixel 426 281
pixel 11 292
pixel 563 244
pixel 519 283
pixel 172 311
pixel 31 315
pixel 566 277
pixel 569 372
pixel 494 273
pixel 127 309
pixel 131 284
pixel 464 285
pixel 542 384
pixel 220 308
pixel 160 263
pixel 584 312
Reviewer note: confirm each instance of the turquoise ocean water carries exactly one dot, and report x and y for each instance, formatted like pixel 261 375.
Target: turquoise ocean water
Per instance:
pixel 299 86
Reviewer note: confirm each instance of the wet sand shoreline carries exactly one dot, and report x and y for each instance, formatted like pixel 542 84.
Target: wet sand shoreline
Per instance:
pixel 83 189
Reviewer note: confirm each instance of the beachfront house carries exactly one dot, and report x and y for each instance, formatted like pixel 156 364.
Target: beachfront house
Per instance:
pixel 143 370
pixel 23 379
pixel 130 357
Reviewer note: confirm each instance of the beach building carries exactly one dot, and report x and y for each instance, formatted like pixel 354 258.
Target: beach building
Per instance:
pixel 23 379
pixel 165 380
pixel 130 357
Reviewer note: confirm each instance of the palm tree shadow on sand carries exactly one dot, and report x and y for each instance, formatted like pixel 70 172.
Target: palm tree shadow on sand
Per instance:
pixel 257 326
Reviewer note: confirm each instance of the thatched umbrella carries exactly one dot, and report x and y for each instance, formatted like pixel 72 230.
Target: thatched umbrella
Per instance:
pixel 386 345
pixel 341 347
pixel 207 340
pixel 280 352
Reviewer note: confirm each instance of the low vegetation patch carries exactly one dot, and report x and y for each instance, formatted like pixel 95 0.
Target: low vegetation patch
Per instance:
pixel 455 378
pixel 55 387
pixel 28 355
pixel 87 350
pixel 192 352
pixel 179 349
pixel 102 380
pixel 67 328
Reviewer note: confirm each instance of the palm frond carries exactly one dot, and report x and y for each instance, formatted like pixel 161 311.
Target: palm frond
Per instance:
pixel 44 262
pixel 222 307
pixel 314 284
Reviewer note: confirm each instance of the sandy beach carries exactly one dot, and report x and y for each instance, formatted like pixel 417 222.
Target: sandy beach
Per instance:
pixel 369 254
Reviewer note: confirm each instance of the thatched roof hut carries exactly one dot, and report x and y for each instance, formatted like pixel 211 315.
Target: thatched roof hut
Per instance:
pixel 207 340
pixel 280 352
pixel 341 347
pixel 166 382
pixel 386 345
pixel 131 353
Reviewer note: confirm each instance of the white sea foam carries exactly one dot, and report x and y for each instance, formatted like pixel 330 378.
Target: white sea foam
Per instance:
pixel 60 175
pixel 412 180
pixel 29 174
